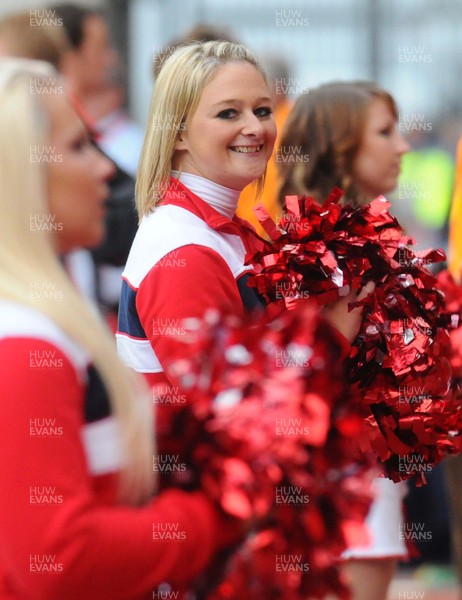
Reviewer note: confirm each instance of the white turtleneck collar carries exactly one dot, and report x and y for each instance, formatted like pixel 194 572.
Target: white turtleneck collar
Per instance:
pixel 221 198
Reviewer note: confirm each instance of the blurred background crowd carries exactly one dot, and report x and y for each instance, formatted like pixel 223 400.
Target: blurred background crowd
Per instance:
pixel 412 49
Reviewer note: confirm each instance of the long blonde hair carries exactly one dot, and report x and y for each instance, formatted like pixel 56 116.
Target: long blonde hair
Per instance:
pixel 176 95
pixel 27 257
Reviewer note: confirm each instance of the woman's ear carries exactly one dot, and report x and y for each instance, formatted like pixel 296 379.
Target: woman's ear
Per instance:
pixel 180 143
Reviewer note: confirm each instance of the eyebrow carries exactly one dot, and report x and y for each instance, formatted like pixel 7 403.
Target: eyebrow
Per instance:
pixel 237 101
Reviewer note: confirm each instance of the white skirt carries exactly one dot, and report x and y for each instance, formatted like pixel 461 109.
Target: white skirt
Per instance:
pixel 384 522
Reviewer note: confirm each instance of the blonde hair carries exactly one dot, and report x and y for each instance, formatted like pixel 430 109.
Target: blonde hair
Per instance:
pixel 28 257
pixel 176 95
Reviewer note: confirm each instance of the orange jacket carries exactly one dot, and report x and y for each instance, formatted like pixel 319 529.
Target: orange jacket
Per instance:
pixel 455 221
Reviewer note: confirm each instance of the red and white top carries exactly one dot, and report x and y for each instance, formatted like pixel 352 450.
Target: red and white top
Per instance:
pixel 62 535
pixel 187 257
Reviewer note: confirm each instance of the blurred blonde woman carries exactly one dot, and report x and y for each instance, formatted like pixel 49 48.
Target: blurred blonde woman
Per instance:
pixel 77 518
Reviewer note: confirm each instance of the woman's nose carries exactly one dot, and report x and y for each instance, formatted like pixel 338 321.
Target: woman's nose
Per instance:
pixel 104 166
pixel 252 125
pixel 402 145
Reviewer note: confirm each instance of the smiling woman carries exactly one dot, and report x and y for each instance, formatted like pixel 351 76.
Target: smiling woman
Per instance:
pixel 211 132
pixel 240 130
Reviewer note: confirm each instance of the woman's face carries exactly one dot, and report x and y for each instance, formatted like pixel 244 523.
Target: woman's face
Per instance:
pixel 376 166
pixel 230 137
pixel 77 179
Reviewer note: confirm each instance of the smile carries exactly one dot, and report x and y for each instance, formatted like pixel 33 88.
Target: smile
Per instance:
pixel 246 149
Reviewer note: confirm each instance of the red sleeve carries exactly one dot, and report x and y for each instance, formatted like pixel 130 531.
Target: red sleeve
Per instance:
pixel 185 283
pixel 96 551
pixel 195 279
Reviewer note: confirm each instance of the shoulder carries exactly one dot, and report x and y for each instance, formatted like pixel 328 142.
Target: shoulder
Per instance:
pixel 21 322
pixel 171 228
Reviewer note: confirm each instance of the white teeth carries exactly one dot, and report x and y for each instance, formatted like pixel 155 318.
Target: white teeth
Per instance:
pixel 247 149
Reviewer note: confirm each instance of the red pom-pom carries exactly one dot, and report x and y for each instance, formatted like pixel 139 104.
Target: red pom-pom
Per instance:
pixel 398 364
pixel 272 437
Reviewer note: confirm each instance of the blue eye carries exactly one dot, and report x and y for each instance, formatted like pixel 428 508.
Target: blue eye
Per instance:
pixel 263 111
pixel 229 113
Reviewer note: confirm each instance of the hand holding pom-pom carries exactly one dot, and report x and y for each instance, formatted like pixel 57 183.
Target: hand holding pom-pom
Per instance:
pixel 322 253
